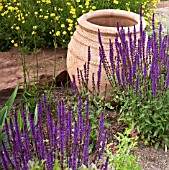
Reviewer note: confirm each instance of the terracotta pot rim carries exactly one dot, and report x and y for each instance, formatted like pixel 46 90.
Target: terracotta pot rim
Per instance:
pixel 83 20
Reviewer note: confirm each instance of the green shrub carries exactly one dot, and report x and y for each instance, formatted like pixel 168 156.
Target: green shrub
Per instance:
pixel 52 23
pixel 120 157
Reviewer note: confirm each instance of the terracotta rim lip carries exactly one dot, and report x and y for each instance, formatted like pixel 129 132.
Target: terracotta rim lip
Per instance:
pixel 83 20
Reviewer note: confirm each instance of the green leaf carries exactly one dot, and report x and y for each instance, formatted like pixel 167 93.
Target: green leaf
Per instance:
pixel 149 33
pixel 7 107
pixel 108 105
pixel 56 165
pixel 36 115
pixel 98 112
pixel 157 145
pixel 91 148
pixel 148 121
pixel 3 114
pixel 20 121
pixel 156 132
pixel 10 101
pixel 3 136
pixel 107 124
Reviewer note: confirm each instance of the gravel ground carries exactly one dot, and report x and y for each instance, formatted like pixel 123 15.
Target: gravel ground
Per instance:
pixel 152 159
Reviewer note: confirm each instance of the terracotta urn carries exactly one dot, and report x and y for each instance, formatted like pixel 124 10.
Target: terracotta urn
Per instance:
pixel 86 35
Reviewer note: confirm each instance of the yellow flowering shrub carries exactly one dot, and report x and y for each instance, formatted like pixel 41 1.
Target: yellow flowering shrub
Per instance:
pixel 53 22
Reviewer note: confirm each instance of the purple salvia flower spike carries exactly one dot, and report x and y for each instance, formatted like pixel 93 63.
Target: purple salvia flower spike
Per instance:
pixel 49 160
pixel 93 83
pixel 140 59
pixel 15 147
pixel 101 55
pixel 50 126
pixel 3 161
pixel 160 35
pixel 15 159
pixel 111 57
pixel 39 111
pixel 6 155
pixel 118 27
pixel 145 76
pixel 103 60
pixel 73 86
pixel 123 78
pixel 106 164
pixel 143 46
pixel 88 65
pixel 99 38
pixel 25 134
pixel 86 145
pixel 41 143
pixel 78 76
pixel 12 130
pixel 81 131
pixel 17 130
pixel 135 37
pixel 130 43
pixel 83 81
pixel 61 112
pixel 99 76
pixel 69 136
pixel 79 114
pixel 85 73
pixel 6 128
pixel 118 75
pixel 141 24
pixel 87 111
pixel 103 145
pixel 103 136
pixel 153 23
pixel 153 86
pixel 122 37
pixel 25 148
pixel 75 146
pixel 39 130
pixel 33 131
pixel 137 84
pixel 118 65
pixel 44 100
pixel 89 55
pixel 148 47
pixel 167 82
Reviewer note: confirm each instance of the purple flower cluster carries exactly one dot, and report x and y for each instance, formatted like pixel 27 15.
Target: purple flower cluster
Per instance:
pixel 55 137
pixel 139 63
pixel 83 78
